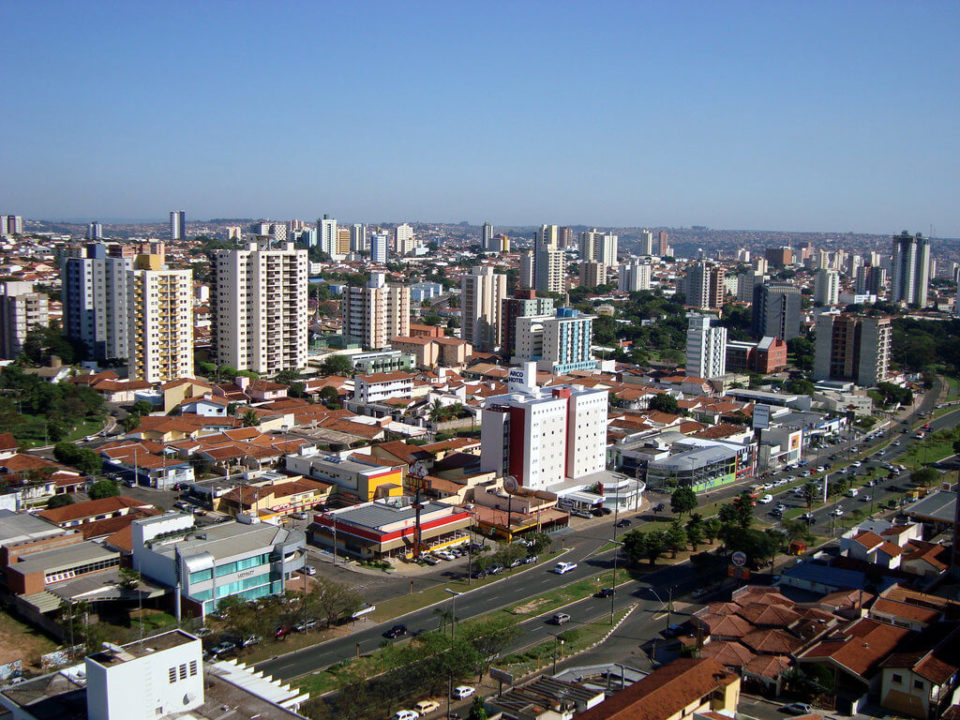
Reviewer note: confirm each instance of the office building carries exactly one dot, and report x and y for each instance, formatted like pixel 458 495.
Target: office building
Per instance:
pixel 482 293
pixel 769 355
pixel 486 238
pixel 379 248
pixel 403 239
pixel 776 311
pixel 779 256
pixel 376 313
pixel 95 231
pixel 11 225
pixel 161 322
pixel 663 247
pixel 634 276
pixel 178 224
pixel 826 287
pixel 559 344
pixel 343 243
pixel 21 310
pixel 706 348
pixel 871 280
pixel 524 303
pixel 306 237
pixel 95 297
pixel 703 286
pixel 358 238
pixel 911 269
pixel 550 266
pixel 327 235
pixel 646 242
pixel 528 265
pixel 542 436
pixel 260 312
pixel 592 273
pixel 746 283
pixel 852 347
pixel 209 564
pixel 294 226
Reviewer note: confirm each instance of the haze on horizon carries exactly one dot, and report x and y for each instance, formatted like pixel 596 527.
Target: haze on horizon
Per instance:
pixel 793 116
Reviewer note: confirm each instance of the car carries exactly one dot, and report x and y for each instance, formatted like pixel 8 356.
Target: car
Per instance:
pixel 251 640
pixel 856 464
pixel 809 518
pixel 604 593
pixel 515 563
pixel 766 499
pixel 405 715
pixel 495 569
pixel 398 630
pixel 606 511
pixel 897 443
pixel 223 648
pixel 658 507
pixel 596 512
pixel 445 555
pixel 462 691
pixel 806 473
pixel 866 498
pixel 562 568
pixel 871 483
pixel 203 632
pixel 838 512
pixel 777 513
pixel 478 573
pixel 427 706
pixel 852 492
pixel 429 560
pixel 673 631
pixel 530 559
pixel 308 570
pixel 281 632
pixel 298 516
pixel 560 619
pixel 798 708
pixel 623 523
pixel 821 469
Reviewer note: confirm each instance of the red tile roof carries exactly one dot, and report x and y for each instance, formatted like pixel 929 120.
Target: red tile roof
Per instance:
pixel 860 647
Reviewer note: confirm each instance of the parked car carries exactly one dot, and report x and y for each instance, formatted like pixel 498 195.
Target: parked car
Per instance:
pixel 495 569
pixel 223 648
pixel 398 630
pixel 405 715
pixel 429 560
pixel 658 507
pixel 250 641
pixel 478 573
pixel 798 708
pixel 426 706
pixel 517 562
pixel 604 592
pixel 596 512
pixel 308 570
pixel 462 691
pixel 562 568
pixel 445 555
pixel 530 559
pixel 203 632
pixel 673 631
pixel 281 632
pixel 838 512
pixel 766 499
pixel 560 619
pixel 623 523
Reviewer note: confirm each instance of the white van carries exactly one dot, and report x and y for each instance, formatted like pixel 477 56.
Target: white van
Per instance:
pixel 562 568
pixel 852 492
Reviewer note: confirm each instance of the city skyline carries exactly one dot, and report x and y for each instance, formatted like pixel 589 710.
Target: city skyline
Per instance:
pixel 752 115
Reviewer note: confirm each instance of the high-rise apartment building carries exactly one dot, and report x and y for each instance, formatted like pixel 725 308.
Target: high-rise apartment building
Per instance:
pixel 646 242
pixel 375 314
pixel 95 296
pixel 403 239
pixel 589 239
pixel 550 267
pixel 565 238
pixel 703 286
pixel 541 436
pixel 235 232
pixel 826 287
pixel 745 285
pixel 663 246
pixel 559 344
pixel 95 231
pixel 486 238
pixel 852 347
pixel 343 242
pixel 524 303
pixel 911 269
pixel 482 293
pixel 260 311
pixel 606 249
pixel 776 311
pixel 548 237
pixel 358 238
pixel 706 348
pixel 634 276
pixel 379 248
pixel 327 235
pixel 592 273
pixel 161 327
pixel 779 256
pixel 178 224
pixel 11 225
pixel 21 310
pixel 528 270
pixel 871 280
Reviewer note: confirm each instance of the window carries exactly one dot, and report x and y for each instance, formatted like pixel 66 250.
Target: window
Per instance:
pixel 172 675
pixel 897 679
pixel 193 668
pixel 918 684
pixel 183 671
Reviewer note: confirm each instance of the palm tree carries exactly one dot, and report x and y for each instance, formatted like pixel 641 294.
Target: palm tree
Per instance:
pixel 250 418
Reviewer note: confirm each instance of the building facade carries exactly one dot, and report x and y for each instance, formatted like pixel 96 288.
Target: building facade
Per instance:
pixel 703 286
pixel 826 287
pixel 260 308
pixel 852 347
pixel 911 269
pixel 706 348
pixel 21 310
pixel 524 303
pixel 161 325
pixel 776 311
pixel 376 313
pixel 482 295
pixel 634 276
pixel 178 224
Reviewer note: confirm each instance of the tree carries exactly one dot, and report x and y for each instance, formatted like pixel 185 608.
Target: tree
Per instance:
pixel 337 365
pixel 142 407
pixel 286 377
pixel 477 711
pixel 711 529
pixel 799 386
pixel 694 533
pixel 103 489
pixel 664 402
pixel 538 542
pixel 129 578
pixel 676 538
pixel 925 477
pixel 654 545
pixel 809 493
pixel 329 396
pixel 250 418
pixel 683 500
pixel 59 501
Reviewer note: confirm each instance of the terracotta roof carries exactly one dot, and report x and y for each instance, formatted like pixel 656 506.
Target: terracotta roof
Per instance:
pixel 91 508
pixel 936 555
pixel 265 386
pixel 8 442
pixel 772 642
pixel 110 526
pixel 860 647
pixel 405 340
pixel 665 692
pixel 726 652
pixel 384 377
pixel 720 430
pixel 185 381
pixel 732 626
pixel 905 611
pixel 769 666
pixel 771 614
pixel 869 540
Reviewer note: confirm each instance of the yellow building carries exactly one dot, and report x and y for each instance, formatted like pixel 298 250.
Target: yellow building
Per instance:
pixel 161 337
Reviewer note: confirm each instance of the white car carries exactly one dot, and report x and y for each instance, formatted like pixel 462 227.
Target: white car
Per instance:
pixel 405 715
pixel 838 512
pixel 766 499
pixel 462 691
pixel 856 463
pixel 445 555
pixel 562 568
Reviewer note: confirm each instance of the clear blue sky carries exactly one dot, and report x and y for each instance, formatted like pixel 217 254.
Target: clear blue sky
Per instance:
pixel 765 115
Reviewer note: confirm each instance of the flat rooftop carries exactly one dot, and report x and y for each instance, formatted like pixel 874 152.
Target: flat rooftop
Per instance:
pixel 227 539
pixel 64 558
pixel 118 655
pixel 20 527
pixel 940 506
pixel 378 514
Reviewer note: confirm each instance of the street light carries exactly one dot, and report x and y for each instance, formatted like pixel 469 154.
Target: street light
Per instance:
pixel 556 641
pixel 613 594
pixel 453 612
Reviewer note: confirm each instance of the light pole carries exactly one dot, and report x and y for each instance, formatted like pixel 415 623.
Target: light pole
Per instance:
pixel 453 612
pixel 613 592
pixel 556 642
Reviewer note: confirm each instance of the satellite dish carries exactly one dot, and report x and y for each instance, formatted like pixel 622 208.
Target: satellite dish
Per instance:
pixel 510 484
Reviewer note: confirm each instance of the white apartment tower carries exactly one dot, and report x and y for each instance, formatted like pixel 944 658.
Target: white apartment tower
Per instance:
pixel 327 235
pixel 178 224
pixel 706 348
pixel 646 242
pixel 260 312
pixel 549 267
pixel 21 310
pixel 358 238
pixel 161 324
pixel 379 248
pixel 375 314
pixel 826 287
pixel 483 292
pixel 634 276
pixel 911 269
pixel 403 239
pixel 528 276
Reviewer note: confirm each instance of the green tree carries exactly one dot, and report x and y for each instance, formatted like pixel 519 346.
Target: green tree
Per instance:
pixel 711 529
pixel 809 493
pixel 250 418
pixel 337 365
pixel 328 396
pixel 664 402
pixel 925 477
pixel 477 710
pixel 103 489
pixel 59 501
pixel 142 407
pixel 683 500
pixel 695 533
pixel 676 538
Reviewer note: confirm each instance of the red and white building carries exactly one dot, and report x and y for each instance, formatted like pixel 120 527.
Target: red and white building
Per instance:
pixel 542 436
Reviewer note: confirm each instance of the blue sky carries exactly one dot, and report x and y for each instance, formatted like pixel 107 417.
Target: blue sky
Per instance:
pixel 835 116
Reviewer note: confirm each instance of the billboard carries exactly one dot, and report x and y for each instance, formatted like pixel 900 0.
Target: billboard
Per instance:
pixel 761 417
